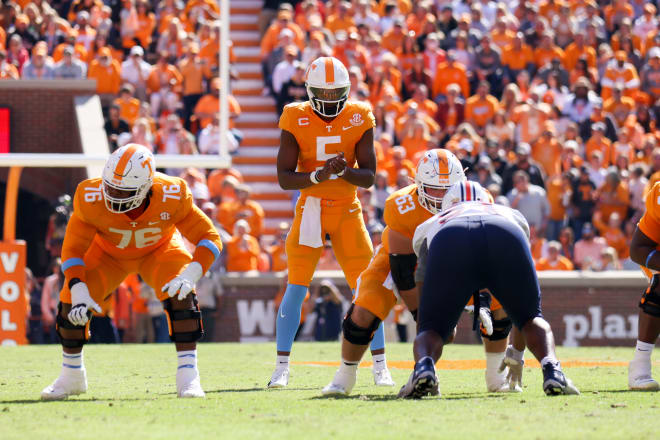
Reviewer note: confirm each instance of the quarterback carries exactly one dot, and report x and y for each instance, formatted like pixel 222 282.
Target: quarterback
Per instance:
pixel 391 273
pixel 326 152
pixel 128 221
pixel 490 246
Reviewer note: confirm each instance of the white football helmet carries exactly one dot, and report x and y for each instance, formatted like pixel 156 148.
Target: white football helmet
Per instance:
pixel 466 191
pixel 327 84
pixel 127 177
pixel 437 169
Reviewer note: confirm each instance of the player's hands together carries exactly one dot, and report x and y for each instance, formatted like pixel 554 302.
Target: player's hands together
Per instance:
pixel 81 302
pixel 334 165
pixel 514 377
pixel 184 283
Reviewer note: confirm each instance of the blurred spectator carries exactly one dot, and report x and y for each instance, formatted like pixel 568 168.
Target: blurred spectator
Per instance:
pixel 530 200
pixel 381 191
pixel 609 260
pixel 129 107
pixel 554 260
pixel 329 309
pixel 294 89
pixel 70 67
pixel 588 249
pixel 243 249
pixel 163 85
pixel 242 209
pixel 39 67
pixel 277 250
pixel 479 109
pixel 612 197
pixel 583 200
pixel 114 126
pixel 17 54
pixel 50 298
pixel 210 139
pixel 107 73
pixel 484 174
pixel 612 233
pixel 7 70
pixel 35 330
pixel 523 163
pixel 135 70
pixel 284 70
pixel 194 70
pixel 397 164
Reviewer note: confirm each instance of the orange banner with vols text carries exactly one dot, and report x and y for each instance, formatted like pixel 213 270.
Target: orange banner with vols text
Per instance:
pixel 13 307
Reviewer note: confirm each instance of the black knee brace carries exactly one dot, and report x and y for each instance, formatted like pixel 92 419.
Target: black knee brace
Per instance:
pixel 501 329
pixel 650 302
pixel 183 315
pixel 358 335
pixel 61 322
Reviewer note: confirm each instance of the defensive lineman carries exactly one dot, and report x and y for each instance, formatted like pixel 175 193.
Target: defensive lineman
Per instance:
pixel 490 250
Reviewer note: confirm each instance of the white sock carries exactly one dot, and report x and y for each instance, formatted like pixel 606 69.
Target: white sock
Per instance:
pixel 493 362
pixel 515 354
pixel 547 359
pixel 283 361
pixel 187 360
pixel 380 363
pixel 643 351
pixel 71 362
pixel 348 366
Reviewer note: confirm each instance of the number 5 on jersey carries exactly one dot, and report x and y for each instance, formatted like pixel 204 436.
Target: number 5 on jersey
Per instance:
pixel 321 155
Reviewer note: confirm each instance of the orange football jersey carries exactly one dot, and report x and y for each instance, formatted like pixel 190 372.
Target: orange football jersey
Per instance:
pixel 319 141
pixel 403 213
pixel 650 222
pixel 171 208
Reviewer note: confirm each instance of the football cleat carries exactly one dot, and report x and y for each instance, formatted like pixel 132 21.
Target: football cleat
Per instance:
pixel 280 378
pixel 639 377
pixel 342 384
pixel 554 381
pixel 422 381
pixel 190 389
pixel 69 383
pixel 497 382
pixel 383 378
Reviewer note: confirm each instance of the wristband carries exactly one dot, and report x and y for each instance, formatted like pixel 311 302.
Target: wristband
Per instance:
pixel 648 258
pixel 313 178
pixel 342 172
pixel 73 282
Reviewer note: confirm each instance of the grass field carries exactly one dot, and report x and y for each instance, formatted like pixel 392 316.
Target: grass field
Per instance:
pixel 132 396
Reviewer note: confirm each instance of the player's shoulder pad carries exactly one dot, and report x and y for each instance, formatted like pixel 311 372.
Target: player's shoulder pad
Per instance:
pixel 421 232
pixel 295 108
pixel 410 189
pixel 88 197
pixel 172 185
pixel 361 113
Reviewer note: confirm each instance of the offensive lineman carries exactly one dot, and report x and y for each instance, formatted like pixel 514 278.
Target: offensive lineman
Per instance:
pixel 126 222
pixel 322 141
pixel 489 250
pixel 393 267
pixel 644 251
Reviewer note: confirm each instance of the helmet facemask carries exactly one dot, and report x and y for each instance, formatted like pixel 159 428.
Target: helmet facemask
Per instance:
pixel 328 102
pixel 120 200
pixel 429 202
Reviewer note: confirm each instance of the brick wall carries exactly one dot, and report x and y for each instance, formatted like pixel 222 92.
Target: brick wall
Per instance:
pixel 43 120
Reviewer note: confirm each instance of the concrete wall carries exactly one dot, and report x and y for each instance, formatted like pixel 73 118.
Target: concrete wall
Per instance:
pixel 587 309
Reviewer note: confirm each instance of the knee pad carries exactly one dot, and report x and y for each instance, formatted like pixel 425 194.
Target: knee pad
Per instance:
pixel 82 331
pixel 501 329
pixel 174 318
pixel 355 334
pixel 650 302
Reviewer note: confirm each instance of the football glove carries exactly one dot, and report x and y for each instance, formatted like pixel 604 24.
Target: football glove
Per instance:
pixel 513 359
pixel 81 302
pixel 485 318
pixel 184 283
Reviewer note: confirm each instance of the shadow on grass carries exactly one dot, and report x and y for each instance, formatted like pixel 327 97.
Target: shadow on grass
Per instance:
pixel 388 397
pixel 255 389
pixel 75 400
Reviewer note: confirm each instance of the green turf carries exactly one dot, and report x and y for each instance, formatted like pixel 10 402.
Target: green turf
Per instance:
pixel 132 395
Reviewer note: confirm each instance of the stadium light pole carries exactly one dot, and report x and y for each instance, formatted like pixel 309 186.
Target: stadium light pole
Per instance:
pixel 224 75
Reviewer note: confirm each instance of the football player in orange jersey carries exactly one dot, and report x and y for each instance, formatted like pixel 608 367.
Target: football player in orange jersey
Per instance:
pixel 326 152
pixel 390 274
pixel 127 222
pixel 644 251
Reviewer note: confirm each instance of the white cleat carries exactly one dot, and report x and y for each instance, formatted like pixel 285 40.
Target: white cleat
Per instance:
pixel 383 378
pixel 342 384
pixel 190 389
pixel 280 378
pixel 69 383
pixel 640 379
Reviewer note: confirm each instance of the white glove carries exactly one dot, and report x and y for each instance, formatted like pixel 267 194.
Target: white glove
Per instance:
pixel 485 318
pixel 514 360
pixel 184 283
pixel 81 302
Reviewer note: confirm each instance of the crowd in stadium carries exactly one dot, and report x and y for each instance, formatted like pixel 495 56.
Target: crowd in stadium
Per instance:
pixel 551 105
